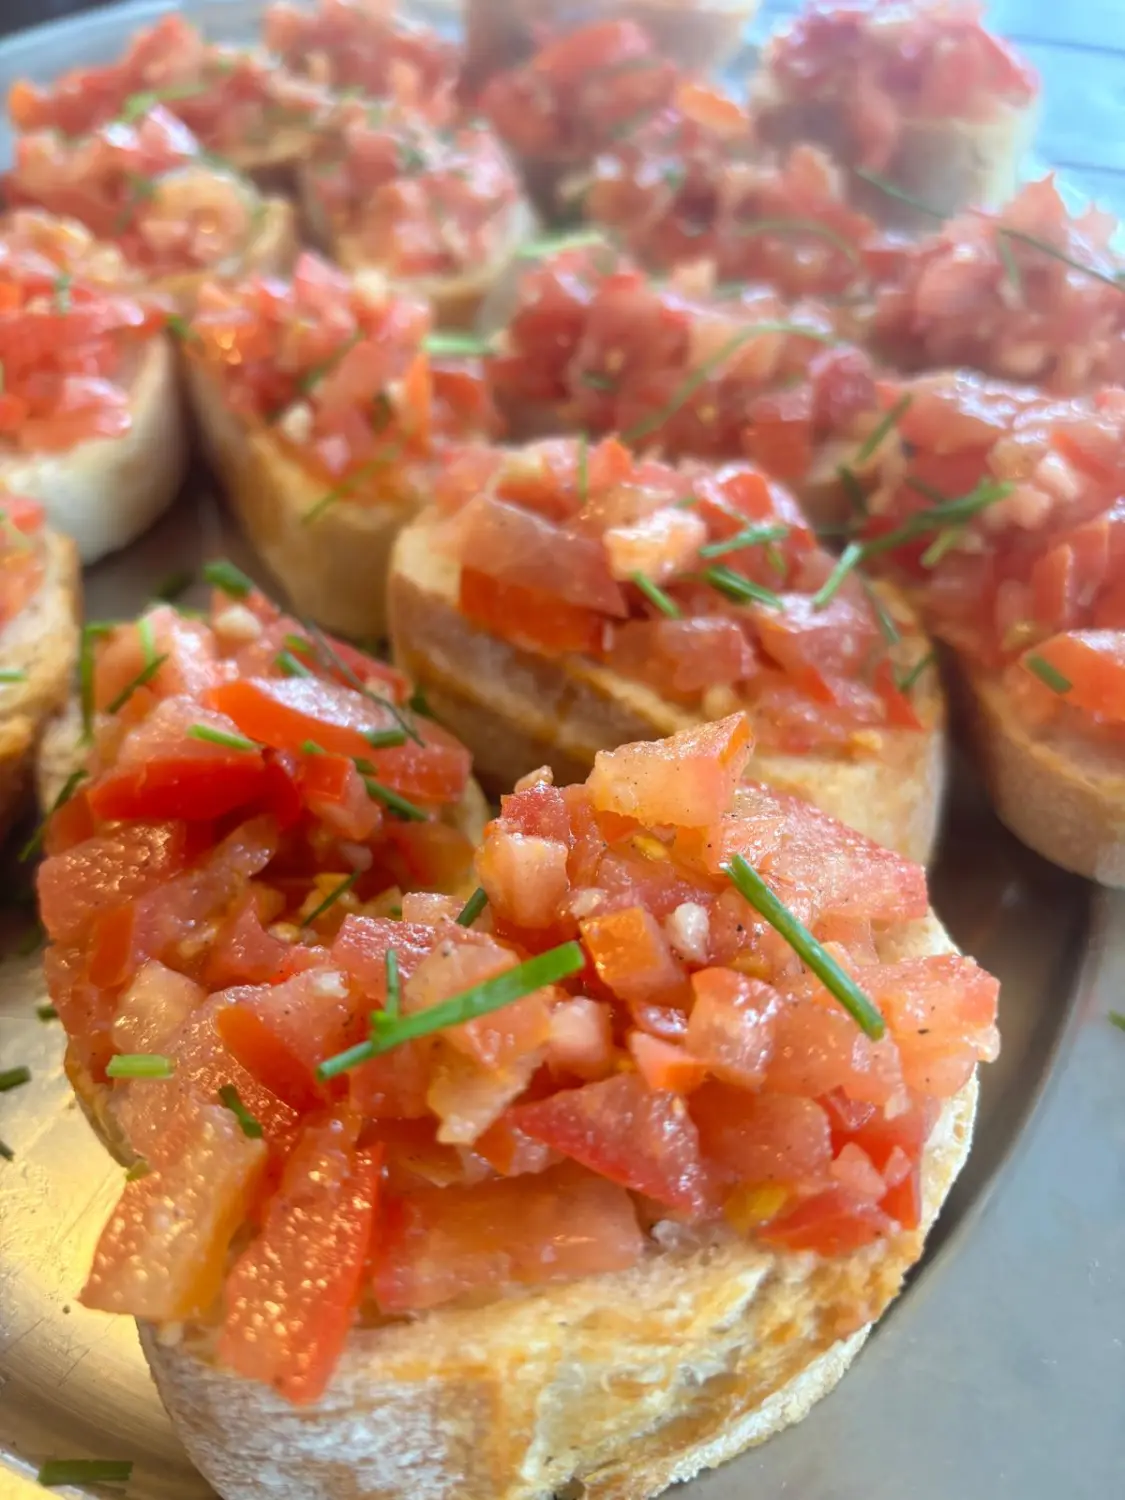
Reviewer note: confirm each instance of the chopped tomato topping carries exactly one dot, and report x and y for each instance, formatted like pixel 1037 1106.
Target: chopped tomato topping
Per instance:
pixel 364 47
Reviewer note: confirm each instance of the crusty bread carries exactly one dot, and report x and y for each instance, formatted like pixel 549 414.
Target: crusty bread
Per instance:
pixel 334 567
pixel 516 711
pixel 456 300
pixel 271 252
pixel 42 642
pixel 1057 792
pixel 106 492
pixel 613 1387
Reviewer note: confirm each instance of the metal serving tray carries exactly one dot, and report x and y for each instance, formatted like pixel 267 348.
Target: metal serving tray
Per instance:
pixel 999 1373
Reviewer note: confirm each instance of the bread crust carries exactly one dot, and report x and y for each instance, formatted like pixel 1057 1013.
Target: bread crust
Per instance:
pixel 104 493
pixel 625 1383
pixel 334 568
pixel 516 711
pixel 42 642
pixel 1058 793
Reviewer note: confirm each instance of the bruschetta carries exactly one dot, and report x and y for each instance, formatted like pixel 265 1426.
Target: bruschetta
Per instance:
pixel 919 99
pixel 998 509
pixel 323 412
pixel 40 602
pixel 566 598
pixel 695 34
pixel 685 367
pixel 91 424
pixel 438 211
pixel 237 102
pixel 1030 293
pixel 177 214
pixel 459 1221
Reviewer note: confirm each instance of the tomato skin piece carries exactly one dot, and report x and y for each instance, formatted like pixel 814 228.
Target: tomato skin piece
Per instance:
pixel 290 1299
pixel 1093 663
pixel 190 788
pixel 529 617
pixel 622 1130
pixel 831 1223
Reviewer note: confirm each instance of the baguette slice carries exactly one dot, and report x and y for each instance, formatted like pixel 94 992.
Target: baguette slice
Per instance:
pixel 516 710
pixel 270 252
pixel 106 492
pixel 1057 792
pixel 456 300
pixel 334 568
pixel 613 1387
pixel 42 642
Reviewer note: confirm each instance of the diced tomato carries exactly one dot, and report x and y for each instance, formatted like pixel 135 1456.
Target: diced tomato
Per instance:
pixel 105 872
pixel 580 1041
pixel 731 1027
pixel 335 793
pixel 1092 663
pixel 243 951
pixel 665 1066
pixel 525 877
pixel 819 1047
pixel 762 1138
pixel 529 617
pixel 834 1222
pixel 683 656
pixel 687 780
pixel 622 1130
pixel 441 1243
pixel 290 1298
pixel 633 957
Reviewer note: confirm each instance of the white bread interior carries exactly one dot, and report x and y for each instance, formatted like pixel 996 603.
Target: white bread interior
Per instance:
pixel 516 710
pixel 611 1388
pixel 104 493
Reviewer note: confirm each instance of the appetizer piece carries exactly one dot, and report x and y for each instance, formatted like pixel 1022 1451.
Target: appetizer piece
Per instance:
pixel 686 187
pixel 146 186
pixel 90 418
pixel 916 92
pixel 364 45
pixel 438 211
pixel 573 100
pixel 237 103
pixel 1030 293
pixel 325 414
pixel 567 598
pixel 417 1172
pixel 684 367
pixel 695 34
pixel 1000 511
pixel 40 603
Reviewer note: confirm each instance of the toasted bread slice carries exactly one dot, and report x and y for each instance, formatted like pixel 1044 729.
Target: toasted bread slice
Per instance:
pixel 270 252
pixel 456 300
pixel 334 566
pixel 42 643
pixel 1057 792
pixel 106 492
pixel 615 1386
pixel 516 710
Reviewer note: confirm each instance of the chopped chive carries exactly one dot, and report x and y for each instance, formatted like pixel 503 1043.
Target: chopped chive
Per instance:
pixel 800 226
pixel 853 489
pixel 312 378
pixel 59 1471
pixel 310 747
pixel 62 291
pixel 251 1128
pixel 179 327
pixel 14 1078
pixel 394 986
pixel 12 674
pixel 384 739
pixel 1011 265
pixel 211 736
pixel 139 1065
pixel 1048 249
pixel 741 590
pixel 750 885
pixel 46 1012
pixel 334 662
pixel 555 244
pixel 143 677
pixel 418 703
pixel 35 842
pixel 890 420
pixel 845 564
pixel 288 664
pixel 656 596
pixel 597 381
pixel 93 631
pixel 6 1151
pixel 138 105
pixel 906 681
pixel 886 186
pixel 887 626
pixel 139 1169
pixel 1048 674
pixel 222 574
pixel 751 536
pixel 940 515
pixel 405 809
pixel 455 345
pixel 942 544
pixel 1117 1019
pixel 173 586
pixel 346 486
pixel 480 1000
pixel 330 900
pixel 472 908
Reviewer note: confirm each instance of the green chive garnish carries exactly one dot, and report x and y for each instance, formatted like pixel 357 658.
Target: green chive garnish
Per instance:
pixel 14 1078
pixel 598 382
pixel 886 186
pixel 62 291
pixel 657 597
pixel 456 345
pixel 331 899
pixel 845 564
pixel 742 590
pixel 12 674
pixel 945 513
pixel 1117 1019
pixel 751 536
pixel 555 244
pixel 750 885
pixel 400 805
pixel 1011 264
pixel 228 1096
pixel 211 736
pixel 394 986
pixel 752 227
pixel 173 586
pixel 1048 674
pixel 906 681
pixel 312 378
pixel 139 1065
pixel 853 489
pixel 889 420
pixel 138 105
pixel 887 626
pixel 287 663
pixel 384 739
pixel 472 908
pixel 179 327
pixel 1048 249
pixel 93 631
pixel 222 574
pixel 35 842
pixel 139 1169
pixel 347 486
pixel 60 1471
pixel 334 662
pixel 480 1000
pixel 46 1012
pixel 143 677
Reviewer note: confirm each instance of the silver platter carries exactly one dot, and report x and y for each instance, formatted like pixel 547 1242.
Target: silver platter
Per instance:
pixel 999 1373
